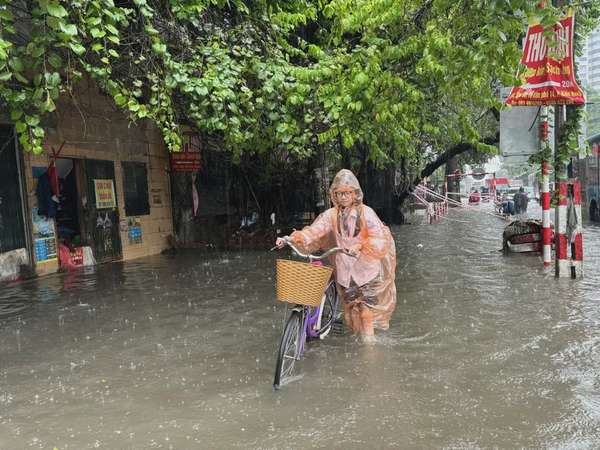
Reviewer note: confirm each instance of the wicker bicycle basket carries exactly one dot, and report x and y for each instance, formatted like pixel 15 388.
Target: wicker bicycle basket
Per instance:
pixel 301 283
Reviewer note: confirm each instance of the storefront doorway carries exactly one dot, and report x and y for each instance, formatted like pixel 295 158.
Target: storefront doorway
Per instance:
pixel 87 213
pixel 67 215
pixel 101 213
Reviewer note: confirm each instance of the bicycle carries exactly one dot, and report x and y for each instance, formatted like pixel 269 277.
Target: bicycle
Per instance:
pixel 311 317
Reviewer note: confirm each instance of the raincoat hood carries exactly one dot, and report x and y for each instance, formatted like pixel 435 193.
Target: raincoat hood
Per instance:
pixel 345 178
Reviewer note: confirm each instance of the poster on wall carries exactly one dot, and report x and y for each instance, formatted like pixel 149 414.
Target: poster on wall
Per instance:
pixel 43 237
pixel 135 230
pixel 105 194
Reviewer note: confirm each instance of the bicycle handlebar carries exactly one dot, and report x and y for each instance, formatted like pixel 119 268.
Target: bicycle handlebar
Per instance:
pixel 315 257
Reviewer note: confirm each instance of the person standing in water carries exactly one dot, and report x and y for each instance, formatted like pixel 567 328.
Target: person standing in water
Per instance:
pixel 366 276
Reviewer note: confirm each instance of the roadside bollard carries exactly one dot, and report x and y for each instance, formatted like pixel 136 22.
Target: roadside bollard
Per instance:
pixel 546 231
pixel 577 237
pixel 560 236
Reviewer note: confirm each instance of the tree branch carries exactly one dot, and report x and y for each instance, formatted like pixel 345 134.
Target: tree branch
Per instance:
pixel 442 159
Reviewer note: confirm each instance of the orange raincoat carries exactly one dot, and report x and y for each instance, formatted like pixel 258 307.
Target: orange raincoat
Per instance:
pixel 367 282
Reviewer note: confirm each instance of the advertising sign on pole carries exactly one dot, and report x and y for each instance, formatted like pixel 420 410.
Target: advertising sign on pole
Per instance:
pixel 548 78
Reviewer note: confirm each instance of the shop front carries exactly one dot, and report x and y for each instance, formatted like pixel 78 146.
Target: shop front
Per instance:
pixel 100 191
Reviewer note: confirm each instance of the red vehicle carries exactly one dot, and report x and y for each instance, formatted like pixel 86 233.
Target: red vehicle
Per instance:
pixel 475 197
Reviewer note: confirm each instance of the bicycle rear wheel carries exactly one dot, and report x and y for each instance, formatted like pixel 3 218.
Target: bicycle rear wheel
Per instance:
pixel 288 348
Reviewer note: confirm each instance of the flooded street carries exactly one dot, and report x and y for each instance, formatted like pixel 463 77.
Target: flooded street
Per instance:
pixel 178 352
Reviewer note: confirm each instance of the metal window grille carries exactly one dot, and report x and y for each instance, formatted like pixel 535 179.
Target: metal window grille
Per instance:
pixel 135 189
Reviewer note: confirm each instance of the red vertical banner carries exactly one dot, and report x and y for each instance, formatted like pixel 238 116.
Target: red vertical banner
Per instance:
pixel 548 77
pixel 189 159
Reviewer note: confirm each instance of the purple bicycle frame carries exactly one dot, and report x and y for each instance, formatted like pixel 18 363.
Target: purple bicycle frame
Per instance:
pixel 309 321
pixel 308 329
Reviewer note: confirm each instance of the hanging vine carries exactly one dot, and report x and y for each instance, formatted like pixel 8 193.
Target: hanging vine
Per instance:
pixel 283 76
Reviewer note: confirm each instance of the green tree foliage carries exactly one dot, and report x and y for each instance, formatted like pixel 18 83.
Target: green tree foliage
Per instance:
pixel 211 63
pixel 397 77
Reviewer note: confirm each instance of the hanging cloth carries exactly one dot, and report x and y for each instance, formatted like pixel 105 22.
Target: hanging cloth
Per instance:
pixel 53 177
pixel 195 198
pixel 53 174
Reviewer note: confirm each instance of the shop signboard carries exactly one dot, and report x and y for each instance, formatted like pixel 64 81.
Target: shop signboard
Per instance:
pixel 105 194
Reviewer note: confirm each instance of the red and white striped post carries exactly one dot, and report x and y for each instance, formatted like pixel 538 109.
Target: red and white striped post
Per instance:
pixel 577 237
pixel 560 236
pixel 545 193
pixel 546 231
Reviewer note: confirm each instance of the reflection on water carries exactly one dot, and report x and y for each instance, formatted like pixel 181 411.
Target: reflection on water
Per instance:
pixel 484 351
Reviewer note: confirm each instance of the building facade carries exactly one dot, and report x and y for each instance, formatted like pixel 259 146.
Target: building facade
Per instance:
pixel 588 172
pixel 588 67
pixel 101 185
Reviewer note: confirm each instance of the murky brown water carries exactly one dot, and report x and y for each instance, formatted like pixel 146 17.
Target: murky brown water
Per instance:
pixel 484 351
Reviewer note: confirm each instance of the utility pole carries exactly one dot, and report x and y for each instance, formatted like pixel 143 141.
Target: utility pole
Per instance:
pixel 569 198
pixel 551 82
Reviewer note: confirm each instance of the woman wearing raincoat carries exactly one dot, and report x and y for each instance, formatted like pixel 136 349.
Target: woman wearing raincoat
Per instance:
pixel 365 277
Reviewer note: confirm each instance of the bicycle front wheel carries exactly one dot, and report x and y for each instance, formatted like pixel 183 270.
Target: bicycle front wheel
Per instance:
pixel 289 348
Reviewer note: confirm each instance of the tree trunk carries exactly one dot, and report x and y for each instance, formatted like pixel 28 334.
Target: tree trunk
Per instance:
pixel 389 197
pixel 453 182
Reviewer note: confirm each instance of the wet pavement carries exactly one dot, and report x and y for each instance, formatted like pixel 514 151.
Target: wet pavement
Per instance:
pixel 177 352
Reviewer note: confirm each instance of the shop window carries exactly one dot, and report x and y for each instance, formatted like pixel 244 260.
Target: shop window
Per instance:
pixel 135 189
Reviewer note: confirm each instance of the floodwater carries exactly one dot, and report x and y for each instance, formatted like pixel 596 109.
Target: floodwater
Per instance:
pixel 177 352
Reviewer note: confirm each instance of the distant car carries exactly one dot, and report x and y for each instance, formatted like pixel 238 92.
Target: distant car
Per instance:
pixel 474 197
